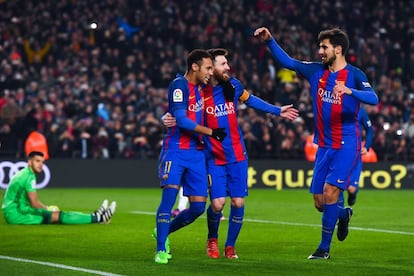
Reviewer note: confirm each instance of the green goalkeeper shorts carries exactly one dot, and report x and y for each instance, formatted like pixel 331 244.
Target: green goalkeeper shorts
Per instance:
pixel 38 216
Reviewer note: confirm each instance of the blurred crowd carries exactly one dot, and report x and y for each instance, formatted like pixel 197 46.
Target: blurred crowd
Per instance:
pixel 92 76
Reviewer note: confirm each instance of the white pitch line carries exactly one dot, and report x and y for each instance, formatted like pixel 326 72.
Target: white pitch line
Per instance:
pixel 302 224
pixel 97 272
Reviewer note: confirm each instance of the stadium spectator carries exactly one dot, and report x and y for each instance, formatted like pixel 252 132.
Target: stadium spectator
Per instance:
pixel 85 65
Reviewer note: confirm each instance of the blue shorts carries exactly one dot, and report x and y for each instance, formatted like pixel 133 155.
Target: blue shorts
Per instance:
pixel 186 168
pixel 228 180
pixel 334 167
pixel 356 173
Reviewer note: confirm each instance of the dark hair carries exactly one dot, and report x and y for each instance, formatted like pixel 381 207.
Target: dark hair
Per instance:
pixel 35 153
pixel 336 37
pixel 217 52
pixel 196 56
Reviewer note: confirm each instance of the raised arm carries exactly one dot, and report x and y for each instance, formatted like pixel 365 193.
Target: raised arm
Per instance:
pixel 278 53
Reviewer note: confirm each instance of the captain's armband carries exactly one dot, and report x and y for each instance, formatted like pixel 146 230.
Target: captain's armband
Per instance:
pixel 244 96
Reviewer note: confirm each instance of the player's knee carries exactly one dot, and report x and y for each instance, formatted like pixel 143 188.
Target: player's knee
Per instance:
pixel 237 202
pixel 55 217
pixel 217 206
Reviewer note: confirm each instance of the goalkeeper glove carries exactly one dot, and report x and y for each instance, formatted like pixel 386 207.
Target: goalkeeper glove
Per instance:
pixel 218 134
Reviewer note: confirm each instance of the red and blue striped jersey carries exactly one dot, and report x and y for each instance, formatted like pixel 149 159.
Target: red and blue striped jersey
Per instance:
pixel 183 95
pixel 221 113
pixel 335 117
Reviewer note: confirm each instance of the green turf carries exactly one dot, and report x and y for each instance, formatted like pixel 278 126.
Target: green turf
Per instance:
pixel 281 229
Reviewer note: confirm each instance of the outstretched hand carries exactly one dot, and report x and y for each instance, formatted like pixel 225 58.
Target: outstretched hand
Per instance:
pixel 263 33
pixel 289 112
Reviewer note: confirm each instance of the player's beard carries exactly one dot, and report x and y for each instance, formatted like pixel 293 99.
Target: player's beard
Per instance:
pixel 328 62
pixel 222 77
pixel 36 168
pixel 228 88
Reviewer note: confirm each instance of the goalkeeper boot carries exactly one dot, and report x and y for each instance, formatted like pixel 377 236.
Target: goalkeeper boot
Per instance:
pixel 342 230
pixel 167 243
pixel 102 208
pixel 109 212
pixel 161 257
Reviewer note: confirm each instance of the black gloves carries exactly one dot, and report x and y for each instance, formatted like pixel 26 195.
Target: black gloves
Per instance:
pixel 218 134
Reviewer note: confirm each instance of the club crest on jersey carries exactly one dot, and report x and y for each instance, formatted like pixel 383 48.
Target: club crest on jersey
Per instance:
pixel 328 96
pixel 177 95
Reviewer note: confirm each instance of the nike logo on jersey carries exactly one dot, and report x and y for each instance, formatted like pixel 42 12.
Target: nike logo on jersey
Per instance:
pixel 340 181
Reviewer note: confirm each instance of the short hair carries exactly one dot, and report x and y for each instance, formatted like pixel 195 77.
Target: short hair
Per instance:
pixel 217 52
pixel 35 153
pixel 196 56
pixel 336 37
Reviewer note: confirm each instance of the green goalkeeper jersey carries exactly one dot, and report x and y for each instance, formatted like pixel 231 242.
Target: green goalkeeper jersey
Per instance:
pixel 16 194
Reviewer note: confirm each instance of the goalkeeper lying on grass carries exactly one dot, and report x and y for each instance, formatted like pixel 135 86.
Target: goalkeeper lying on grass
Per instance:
pixel 21 204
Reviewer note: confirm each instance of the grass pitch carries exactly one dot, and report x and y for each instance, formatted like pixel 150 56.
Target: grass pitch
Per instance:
pixel 280 230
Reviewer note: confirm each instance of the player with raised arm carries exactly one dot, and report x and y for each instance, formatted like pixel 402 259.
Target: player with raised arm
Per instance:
pixel 337 88
pixel 182 161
